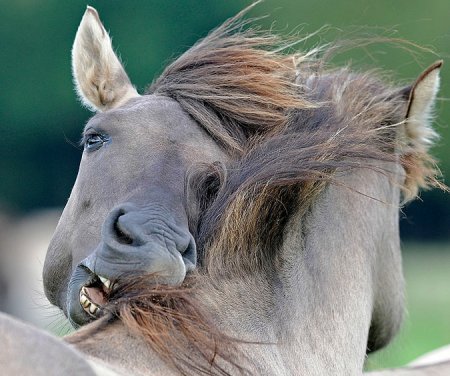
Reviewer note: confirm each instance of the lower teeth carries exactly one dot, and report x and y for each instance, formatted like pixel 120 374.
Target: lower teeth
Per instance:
pixel 93 309
pixel 87 305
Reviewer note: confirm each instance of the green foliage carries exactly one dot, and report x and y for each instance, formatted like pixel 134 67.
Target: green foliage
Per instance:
pixel 41 119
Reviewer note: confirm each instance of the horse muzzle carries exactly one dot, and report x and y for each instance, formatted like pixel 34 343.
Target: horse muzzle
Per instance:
pixel 135 241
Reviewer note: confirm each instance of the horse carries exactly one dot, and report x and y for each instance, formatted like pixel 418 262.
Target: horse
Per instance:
pixel 240 217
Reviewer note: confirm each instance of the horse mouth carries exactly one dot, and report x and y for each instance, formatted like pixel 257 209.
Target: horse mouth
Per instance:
pixel 94 296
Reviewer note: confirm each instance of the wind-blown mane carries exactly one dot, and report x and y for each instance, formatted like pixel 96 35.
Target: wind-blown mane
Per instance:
pixel 290 126
pixel 235 83
pixel 290 122
pixel 354 122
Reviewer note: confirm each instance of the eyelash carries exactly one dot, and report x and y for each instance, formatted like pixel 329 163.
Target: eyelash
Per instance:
pixel 100 141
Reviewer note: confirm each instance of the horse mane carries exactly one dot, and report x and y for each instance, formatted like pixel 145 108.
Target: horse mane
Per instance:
pixel 236 83
pixel 355 123
pixel 289 125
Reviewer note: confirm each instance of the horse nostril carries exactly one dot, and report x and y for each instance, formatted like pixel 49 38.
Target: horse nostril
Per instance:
pixel 119 233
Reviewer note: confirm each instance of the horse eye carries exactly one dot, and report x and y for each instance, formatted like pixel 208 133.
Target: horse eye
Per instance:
pixel 93 142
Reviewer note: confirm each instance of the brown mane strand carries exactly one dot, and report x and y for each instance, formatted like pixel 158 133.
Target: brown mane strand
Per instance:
pixel 172 322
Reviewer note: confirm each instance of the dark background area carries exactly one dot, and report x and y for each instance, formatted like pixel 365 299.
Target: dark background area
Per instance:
pixel 41 120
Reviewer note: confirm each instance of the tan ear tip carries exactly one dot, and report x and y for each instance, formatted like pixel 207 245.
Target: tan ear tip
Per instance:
pixel 91 16
pixel 433 68
pixel 92 12
pixel 436 65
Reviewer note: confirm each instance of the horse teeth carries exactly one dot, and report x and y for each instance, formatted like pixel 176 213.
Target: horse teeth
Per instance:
pixel 87 305
pixel 84 300
pixel 93 308
pixel 105 281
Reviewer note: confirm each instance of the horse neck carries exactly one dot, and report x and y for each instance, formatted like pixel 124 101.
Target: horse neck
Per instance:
pixel 311 313
pixel 315 309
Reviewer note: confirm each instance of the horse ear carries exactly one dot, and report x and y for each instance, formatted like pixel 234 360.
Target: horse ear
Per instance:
pixel 419 166
pixel 421 100
pixel 100 79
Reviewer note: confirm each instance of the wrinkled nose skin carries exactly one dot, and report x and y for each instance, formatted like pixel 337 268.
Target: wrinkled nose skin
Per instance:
pixel 135 240
pixel 144 240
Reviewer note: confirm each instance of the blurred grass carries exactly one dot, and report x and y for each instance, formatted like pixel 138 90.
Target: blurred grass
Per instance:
pixel 427 324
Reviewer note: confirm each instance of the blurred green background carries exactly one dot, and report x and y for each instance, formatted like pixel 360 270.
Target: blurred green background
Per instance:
pixel 427 322
pixel 41 120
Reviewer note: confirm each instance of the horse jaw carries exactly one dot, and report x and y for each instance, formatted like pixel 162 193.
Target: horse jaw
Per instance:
pixel 100 79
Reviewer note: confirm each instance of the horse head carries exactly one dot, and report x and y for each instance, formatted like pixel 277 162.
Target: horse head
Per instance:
pixel 137 150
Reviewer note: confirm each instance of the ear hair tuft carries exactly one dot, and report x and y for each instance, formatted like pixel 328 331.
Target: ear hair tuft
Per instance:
pixel 419 166
pixel 100 79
